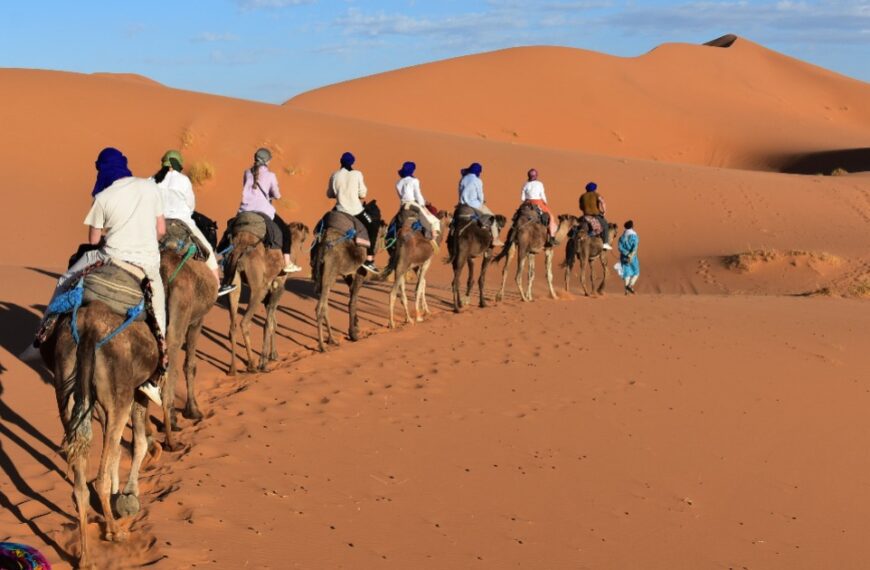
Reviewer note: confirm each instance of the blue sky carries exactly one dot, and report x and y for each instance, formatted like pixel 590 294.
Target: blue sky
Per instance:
pixel 269 50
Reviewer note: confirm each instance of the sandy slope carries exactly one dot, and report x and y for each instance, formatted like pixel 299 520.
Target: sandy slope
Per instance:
pixel 744 106
pixel 709 422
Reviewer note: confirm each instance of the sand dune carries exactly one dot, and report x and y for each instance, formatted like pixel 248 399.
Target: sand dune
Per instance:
pixel 699 424
pixel 744 107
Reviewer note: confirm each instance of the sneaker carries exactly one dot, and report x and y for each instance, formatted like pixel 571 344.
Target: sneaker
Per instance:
pixel 226 289
pixel 371 267
pixel 630 290
pixel 497 243
pixel 30 355
pixel 291 268
pixel 152 391
pixel 606 247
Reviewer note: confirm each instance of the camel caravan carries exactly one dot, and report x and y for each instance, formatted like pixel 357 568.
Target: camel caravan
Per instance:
pixel 135 296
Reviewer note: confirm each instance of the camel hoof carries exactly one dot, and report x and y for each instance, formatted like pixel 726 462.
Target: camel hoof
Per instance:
pixel 264 367
pixel 172 446
pixel 192 414
pixel 86 564
pixel 419 320
pixel 250 369
pixel 126 505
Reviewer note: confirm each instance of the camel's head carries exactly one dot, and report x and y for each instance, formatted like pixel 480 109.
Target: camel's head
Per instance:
pixel 567 222
pixel 445 217
pixel 500 220
pixel 613 230
pixel 299 232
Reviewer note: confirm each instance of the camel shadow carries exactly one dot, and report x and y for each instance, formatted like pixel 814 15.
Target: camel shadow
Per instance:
pixel 45 272
pixel 826 162
pixel 17 328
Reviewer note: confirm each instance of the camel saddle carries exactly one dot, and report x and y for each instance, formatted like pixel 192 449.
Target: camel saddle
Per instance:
pixel 419 222
pixel 464 214
pixel 531 213
pixel 260 225
pixel 118 285
pixel 592 225
pixel 342 222
pixel 179 238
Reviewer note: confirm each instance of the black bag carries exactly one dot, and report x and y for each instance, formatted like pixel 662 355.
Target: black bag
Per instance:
pixel 208 227
pixel 83 249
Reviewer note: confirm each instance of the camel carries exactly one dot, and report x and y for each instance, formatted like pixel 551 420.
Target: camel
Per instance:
pixel 413 253
pixel 585 248
pixel 189 297
pixel 468 240
pixel 104 381
pixel 338 256
pixel 528 237
pixel 260 268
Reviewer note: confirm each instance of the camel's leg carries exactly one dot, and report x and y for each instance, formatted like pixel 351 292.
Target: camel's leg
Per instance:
pixel 269 351
pixel 405 300
pixel 420 300
pixel 234 295
pixel 355 287
pixel 457 277
pixel 584 261
pixel 481 282
pixel 393 293
pixel 548 263
pixel 127 504
pixel 521 264
pixel 258 294
pixel 191 408
pixel 567 276
pixel 531 277
pixel 323 316
pixel 470 285
pixel 83 501
pixel 116 420
pixel 504 273
pixel 168 396
pixel 603 274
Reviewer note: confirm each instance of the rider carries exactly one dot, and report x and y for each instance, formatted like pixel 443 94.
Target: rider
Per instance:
pixel 592 204
pixel 533 193
pixel 127 213
pixel 347 187
pixel 260 188
pixel 471 194
pixel 410 196
pixel 179 203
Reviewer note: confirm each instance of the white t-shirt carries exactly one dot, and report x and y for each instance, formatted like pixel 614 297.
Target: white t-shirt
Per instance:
pixel 176 191
pixel 409 190
pixel 347 187
pixel 534 190
pixel 128 211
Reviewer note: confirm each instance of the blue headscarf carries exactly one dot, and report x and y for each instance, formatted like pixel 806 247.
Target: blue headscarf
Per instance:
pixel 475 169
pixel 591 187
pixel 111 165
pixel 407 169
pixel 347 160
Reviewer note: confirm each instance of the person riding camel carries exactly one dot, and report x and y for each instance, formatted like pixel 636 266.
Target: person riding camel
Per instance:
pixel 592 204
pixel 260 187
pixel 179 202
pixel 533 193
pixel 347 188
pixel 410 197
pixel 471 194
pixel 126 217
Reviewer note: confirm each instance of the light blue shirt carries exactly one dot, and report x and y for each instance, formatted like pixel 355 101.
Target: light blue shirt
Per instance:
pixel 471 191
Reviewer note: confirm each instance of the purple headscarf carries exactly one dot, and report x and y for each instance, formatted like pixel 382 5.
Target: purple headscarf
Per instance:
pixel 111 166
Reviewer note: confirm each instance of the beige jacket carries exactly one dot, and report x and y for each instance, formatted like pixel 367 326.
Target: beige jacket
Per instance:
pixel 347 188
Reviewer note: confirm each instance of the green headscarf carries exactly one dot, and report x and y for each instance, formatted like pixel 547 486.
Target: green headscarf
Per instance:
pixel 169 155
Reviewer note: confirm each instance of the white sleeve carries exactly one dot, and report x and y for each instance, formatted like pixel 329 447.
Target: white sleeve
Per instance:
pixel 543 193
pixel 418 194
pixel 187 190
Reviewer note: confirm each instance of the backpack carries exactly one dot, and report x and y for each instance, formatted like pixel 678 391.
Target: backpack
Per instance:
pixel 208 227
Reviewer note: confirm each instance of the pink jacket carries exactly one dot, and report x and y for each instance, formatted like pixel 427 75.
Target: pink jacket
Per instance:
pixel 259 198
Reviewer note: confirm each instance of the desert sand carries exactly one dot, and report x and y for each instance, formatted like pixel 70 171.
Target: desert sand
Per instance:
pixel 715 420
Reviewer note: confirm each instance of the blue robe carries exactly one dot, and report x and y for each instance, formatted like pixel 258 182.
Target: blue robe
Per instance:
pixel 628 245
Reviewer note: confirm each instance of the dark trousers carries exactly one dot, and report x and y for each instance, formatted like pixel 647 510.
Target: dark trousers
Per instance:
pixel 372 226
pixel 605 228
pixel 285 233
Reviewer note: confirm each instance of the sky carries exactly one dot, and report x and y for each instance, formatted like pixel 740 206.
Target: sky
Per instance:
pixel 270 50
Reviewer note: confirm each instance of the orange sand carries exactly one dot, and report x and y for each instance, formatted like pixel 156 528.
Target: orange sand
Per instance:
pixel 713 421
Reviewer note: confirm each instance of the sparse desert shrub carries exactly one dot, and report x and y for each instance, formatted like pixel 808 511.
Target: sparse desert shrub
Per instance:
pixel 292 170
pixel 187 138
pixel 860 288
pixel 200 172
pixel 744 261
pixel 839 172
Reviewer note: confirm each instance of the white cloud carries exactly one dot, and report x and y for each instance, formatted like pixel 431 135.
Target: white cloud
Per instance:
pixel 211 37
pixel 261 4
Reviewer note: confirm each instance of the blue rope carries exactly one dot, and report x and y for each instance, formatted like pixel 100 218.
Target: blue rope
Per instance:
pixel 132 314
pixel 348 235
pixel 226 250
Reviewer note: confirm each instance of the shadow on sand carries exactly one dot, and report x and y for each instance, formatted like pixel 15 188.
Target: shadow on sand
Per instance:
pixel 826 162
